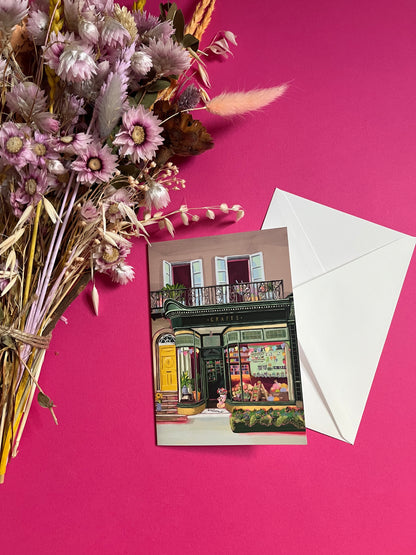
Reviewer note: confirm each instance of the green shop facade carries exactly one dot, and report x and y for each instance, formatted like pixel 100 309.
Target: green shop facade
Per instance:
pixel 246 351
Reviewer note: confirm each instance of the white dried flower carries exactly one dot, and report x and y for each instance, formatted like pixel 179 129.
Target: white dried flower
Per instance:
pixel 88 31
pixel 76 64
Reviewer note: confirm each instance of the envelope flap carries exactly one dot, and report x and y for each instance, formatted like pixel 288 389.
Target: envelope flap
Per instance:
pixel 349 310
pixel 322 238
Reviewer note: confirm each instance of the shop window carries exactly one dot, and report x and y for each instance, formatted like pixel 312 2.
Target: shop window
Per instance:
pixel 276 333
pixel 251 335
pixel 189 375
pixel 260 372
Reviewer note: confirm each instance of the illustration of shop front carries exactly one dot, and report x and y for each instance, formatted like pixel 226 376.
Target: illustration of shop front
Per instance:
pixel 236 337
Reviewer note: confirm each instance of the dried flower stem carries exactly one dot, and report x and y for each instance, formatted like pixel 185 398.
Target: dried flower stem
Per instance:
pixel 57 22
pixel 32 253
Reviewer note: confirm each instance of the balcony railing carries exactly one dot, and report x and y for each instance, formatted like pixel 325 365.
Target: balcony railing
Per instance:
pixel 220 294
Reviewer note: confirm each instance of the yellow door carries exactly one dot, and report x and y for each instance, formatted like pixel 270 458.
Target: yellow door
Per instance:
pixel 167 368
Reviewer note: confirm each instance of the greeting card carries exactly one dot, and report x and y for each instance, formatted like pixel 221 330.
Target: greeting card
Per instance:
pixel 225 354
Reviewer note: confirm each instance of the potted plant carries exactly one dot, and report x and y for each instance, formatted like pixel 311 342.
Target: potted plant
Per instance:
pixel 186 384
pixel 175 291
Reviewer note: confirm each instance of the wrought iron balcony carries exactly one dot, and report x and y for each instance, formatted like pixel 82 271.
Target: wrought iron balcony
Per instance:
pixel 219 294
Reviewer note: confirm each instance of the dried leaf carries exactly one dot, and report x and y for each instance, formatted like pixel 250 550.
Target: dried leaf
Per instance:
pixel 115 239
pixel 224 208
pixel 169 226
pixel 110 240
pixel 95 299
pixel 231 37
pixel 10 241
pixel 189 41
pixel 204 75
pixel 129 212
pixel 235 207
pixel 210 214
pixel 52 213
pixel 239 215
pixel 9 286
pixel 11 261
pixel 28 211
pixel 184 218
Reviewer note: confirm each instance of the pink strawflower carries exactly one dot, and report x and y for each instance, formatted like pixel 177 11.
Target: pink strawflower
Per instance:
pixel 29 101
pixel 26 98
pixel 89 212
pixel 122 273
pixel 12 12
pixel 95 164
pixel 46 122
pixel 34 182
pixel 113 34
pixel 55 47
pixel 108 256
pixel 98 7
pixel 37 25
pixel 41 147
pixel 76 63
pixel 15 145
pixel 168 57
pixel 156 196
pixel 72 144
pixel 140 134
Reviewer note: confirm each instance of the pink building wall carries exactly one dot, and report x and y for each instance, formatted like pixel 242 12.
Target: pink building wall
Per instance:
pixel 272 243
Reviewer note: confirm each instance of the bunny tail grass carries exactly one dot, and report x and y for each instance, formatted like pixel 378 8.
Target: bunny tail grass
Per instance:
pixel 232 104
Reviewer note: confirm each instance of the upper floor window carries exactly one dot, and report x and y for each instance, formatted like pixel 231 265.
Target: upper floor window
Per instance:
pixel 239 269
pixel 190 275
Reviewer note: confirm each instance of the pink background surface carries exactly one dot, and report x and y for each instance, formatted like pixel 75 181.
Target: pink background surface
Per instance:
pixel 343 135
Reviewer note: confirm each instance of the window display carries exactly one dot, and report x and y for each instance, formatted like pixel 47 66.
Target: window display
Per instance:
pixel 260 372
pixel 187 358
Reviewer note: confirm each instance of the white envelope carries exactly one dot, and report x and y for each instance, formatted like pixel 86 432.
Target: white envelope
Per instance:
pixel 347 276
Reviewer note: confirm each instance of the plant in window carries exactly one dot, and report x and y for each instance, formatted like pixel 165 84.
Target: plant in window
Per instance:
pixel 176 291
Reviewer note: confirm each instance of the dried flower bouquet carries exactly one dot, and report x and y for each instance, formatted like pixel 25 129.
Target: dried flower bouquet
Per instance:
pixel 96 101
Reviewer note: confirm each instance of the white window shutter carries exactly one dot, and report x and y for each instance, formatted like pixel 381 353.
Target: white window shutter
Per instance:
pixel 197 281
pixel 221 270
pixel 167 273
pixel 256 267
pixel 197 276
